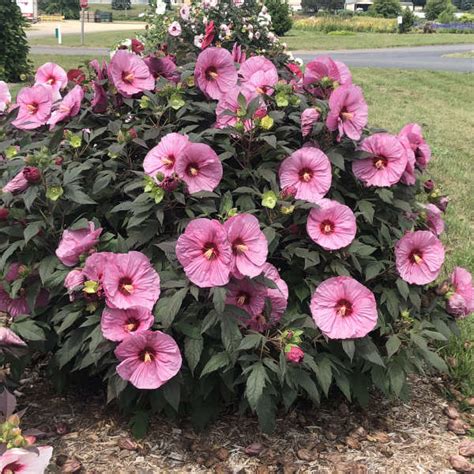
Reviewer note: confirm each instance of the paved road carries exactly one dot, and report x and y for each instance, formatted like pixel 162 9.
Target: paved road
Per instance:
pixel 420 57
pixel 46 29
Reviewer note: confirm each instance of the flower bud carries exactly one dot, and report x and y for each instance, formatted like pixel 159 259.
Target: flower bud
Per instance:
pixel 14 420
pixel 442 203
pixel 32 174
pixel 30 440
pixel 54 192
pixel 59 161
pixel 428 186
pixel 288 192
pixel 443 288
pixel 269 199
pixel 287 210
pixel 456 306
pixel 11 152
pixel 267 122
pixel 294 354
pixel 18 442
pixel 132 133
pixel 4 213
pixel 169 184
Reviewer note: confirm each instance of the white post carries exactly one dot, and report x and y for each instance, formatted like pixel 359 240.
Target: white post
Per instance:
pixel 59 35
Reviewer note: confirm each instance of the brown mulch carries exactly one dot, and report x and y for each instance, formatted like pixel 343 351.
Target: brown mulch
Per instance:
pixel 387 437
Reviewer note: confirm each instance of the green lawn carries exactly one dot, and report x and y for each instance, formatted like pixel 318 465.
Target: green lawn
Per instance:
pixel 308 40
pixel 120 15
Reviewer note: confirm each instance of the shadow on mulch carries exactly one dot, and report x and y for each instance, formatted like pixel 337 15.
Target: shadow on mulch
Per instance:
pixel 387 437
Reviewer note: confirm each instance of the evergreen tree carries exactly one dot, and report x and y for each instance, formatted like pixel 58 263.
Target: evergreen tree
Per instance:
pixel 13 43
pixel 435 7
pixel 280 12
pixel 386 8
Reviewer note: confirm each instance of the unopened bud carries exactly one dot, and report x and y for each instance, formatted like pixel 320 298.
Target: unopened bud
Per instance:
pixel 32 174
pixel 428 186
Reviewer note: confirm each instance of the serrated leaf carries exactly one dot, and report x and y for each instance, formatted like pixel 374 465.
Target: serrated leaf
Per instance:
pixel 403 288
pixel 217 361
pixel 256 382
pixel 32 230
pixel 172 392
pixel 349 348
pixel 168 307
pixel 192 351
pixel 392 345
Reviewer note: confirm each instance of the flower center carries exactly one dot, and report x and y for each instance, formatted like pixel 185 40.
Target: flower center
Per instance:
pixel 327 227
pixel 380 162
pixel 344 308
pixel 32 108
pixel 211 73
pixel 126 286
pixel 147 355
pixel 192 169
pixel 168 161
pixel 239 247
pixel 131 325
pixel 210 251
pixel 305 175
pixel 12 468
pixel 243 298
pixel 347 115
pixel 127 77
pixel 416 256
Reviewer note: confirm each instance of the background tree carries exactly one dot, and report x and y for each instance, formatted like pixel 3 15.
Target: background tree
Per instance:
pixel 435 7
pixel 386 8
pixel 408 20
pixel 280 12
pixel 419 3
pixel 68 8
pixel 121 4
pixel 13 43
pixel 313 6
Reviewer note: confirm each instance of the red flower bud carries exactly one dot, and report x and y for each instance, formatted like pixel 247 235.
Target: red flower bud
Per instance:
pixel 59 160
pixel 169 183
pixel 428 185
pixel 32 174
pixel 295 354
pixel 137 46
pixel 132 133
pixel 4 213
pixel 287 192
pixel 76 75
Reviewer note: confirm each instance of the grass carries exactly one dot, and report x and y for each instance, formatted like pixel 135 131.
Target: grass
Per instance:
pixel 312 40
pixel 120 15
pixel 107 39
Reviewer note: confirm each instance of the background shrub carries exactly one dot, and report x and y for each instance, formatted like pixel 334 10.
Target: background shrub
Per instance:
pixel 408 21
pixel 386 8
pixel 435 7
pixel 280 12
pixel 68 8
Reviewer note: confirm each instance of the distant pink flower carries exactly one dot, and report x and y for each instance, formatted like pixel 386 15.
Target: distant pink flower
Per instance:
pixel 295 355
pixel 258 74
pixel 75 243
pixel 163 67
pixel 130 280
pixel 461 303
pixel 34 107
pixel 163 157
pixel 246 295
pixel 74 279
pixel 5 96
pixel 205 253
pixel 17 184
pixel 309 171
pixel 137 46
pixel 18 460
pixel 215 72
pixel 408 176
pixel 199 167
pixel 343 308
pixel 51 74
pixel 129 74
pixel 174 29
pixel 323 75
pixel 249 245
pixel 100 70
pixel 184 12
pixel 68 107
pixel 434 221
pixel 332 225
pixel 348 112
pixel 386 165
pixel 413 133
pixel 9 338
pixel 419 256
pixel 117 324
pixel 148 359
pixel 238 55
pixel 309 117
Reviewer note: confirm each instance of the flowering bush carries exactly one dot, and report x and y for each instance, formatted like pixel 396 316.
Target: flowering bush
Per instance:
pixel 225 231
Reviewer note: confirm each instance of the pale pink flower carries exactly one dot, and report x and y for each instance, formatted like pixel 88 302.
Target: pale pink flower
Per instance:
pixel 174 29
pixel 413 133
pixel 199 167
pixel 163 157
pixel 308 170
pixel 309 117
pixel 34 107
pixel 205 253
pixel 198 41
pixel 25 461
pixel 17 184
pixel 117 324
pixel 461 303
pixel 348 112
pixel 386 165
pixel 130 74
pixel 434 221
pixel 148 359
pixel 130 280
pixel 163 67
pixel 68 107
pixel 9 338
pixel 184 12
pixel 323 75
pixel 419 256
pixel 5 96
pixel 258 74
pixel 246 295
pixel 75 243
pixel 343 308
pixel 215 72
pixel 249 245
pixel 331 225
pixel 52 75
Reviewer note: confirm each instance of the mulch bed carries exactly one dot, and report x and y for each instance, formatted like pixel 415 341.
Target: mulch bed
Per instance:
pixel 336 438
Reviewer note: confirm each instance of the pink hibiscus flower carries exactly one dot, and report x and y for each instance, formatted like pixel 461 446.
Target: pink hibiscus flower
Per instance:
pixel 323 75
pixel 17 184
pixel 129 74
pixel 413 133
pixel 99 101
pixel 130 280
pixel 163 157
pixel 163 67
pixel 205 253
pixel 74 279
pixel 308 170
pixel 238 55
pixel 419 256
pixel 348 112
pixel 117 324
pixel 343 308
pixel 215 72
pixel 408 176
pixel 69 106
pixel 249 245
pixel 148 359
pixel 309 117
pixel 75 243
pixel 199 167
pixel 34 107
pixel 9 338
pixel 246 295
pixel 278 298
pixel 52 75
pixel 332 225
pixel 461 303
pixel 26 461
pixel 5 96
pixel 434 221
pixel 174 29
pixel 387 164
pixel 258 74
pixel 95 264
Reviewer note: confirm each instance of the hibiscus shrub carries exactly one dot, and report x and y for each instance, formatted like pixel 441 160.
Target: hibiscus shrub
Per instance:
pixel 216 230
